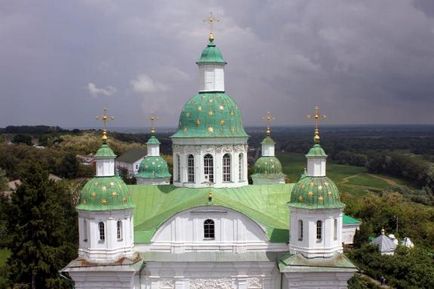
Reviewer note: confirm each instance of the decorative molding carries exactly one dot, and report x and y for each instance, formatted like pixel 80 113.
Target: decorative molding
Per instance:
pixel 254 283
pixel 167 284
pixel 224 283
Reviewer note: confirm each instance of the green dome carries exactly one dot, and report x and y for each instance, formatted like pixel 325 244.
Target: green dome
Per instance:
pixel 316 151
pixel 105 193
pixel 153 141
pixel 211 54
pixel 268 141
pixel 153 167
pixel 209 115
pixel 268 166
pixel 315 193
pixel 105 152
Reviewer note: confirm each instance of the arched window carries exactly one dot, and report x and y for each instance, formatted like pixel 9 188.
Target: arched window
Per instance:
pixel 318 230
pixel 300 230
pixel 208 229
pixel 101 231
pixel 240 167
pixel 208 167
pixel 190 168
pixel 178 168
pixel 335 231
pixel 227 168
pixel 84 230
pixel 119 230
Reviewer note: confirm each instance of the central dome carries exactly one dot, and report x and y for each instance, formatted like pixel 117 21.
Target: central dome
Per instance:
pixel 210 115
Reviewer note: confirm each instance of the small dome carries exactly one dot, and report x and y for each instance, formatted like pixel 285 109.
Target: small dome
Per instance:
pixel 211 54
pixel 105 152
pixel 153 141
pixel 105 193
pixel 209 115
pixel 316 151
pixel 315 192
pixel 268 141
pixel 153 167
pixel 268 166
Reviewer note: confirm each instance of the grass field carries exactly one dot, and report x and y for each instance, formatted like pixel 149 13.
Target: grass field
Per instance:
pixel 351 179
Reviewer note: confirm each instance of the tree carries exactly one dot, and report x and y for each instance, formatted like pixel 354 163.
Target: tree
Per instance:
pixel 41 224
pixel 69 166
pixel 3 180
pixel 22 138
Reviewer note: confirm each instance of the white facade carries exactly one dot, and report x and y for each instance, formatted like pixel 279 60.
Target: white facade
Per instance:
pixel 211 78
pixel 105 167
pixel 196 175
pixel 105 236
pixel 348 232
pixel 153 150
pixel 316 233
pixel 316 166
pixel 132 168
pixel 267 150
pixel 233 232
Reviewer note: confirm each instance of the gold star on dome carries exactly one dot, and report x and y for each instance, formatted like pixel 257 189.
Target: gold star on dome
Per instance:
pixel 105 118
pixel 317 117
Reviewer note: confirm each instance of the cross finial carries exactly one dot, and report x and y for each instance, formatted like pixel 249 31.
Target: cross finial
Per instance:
pixel 211 20
pixel 317 117
pixel 152 118
pixel 105 118
pixel 268 118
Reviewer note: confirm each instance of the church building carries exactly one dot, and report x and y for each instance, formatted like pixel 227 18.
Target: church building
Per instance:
pixel 209 228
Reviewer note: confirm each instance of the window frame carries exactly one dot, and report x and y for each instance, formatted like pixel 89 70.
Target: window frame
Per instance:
pixel 190 169
pixel 208 167
pixel 319 236
pixel 178 168
pixel 300 230
pixel 209 229
pixel 227 168
pixel 101 231
pixel 241 167
pixel 119 230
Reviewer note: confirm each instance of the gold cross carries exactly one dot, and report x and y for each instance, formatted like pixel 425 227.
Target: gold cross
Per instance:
pixel 317 117
pixel 105 118
pixel 152 118
pixel 268 118
pixel 211 20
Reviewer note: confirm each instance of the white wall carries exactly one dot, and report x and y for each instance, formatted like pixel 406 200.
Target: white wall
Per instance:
pixel 105 167
pixel 348 232
pixel 217 151
pixel 211 77
pixel 234 232
pixel 268 150
pixel 132 168
pixel 316 166
pixel 90 245
pixel 309 246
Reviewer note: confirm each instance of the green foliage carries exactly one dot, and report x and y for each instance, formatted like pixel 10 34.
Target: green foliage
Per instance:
pixel 41 223
pixel 3 180
pixel 68 166
pixel 22 138
pixel 407 268
pixel 358 282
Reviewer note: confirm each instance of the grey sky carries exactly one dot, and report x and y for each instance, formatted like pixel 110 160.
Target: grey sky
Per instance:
pixel 361 61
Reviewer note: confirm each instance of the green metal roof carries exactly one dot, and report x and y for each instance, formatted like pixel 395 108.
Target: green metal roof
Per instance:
pixel 316 151
pixel 315 193
pixel 350 220
pixel 132 155
pixel 265 204
pixel 153 140
pixel 297 263
pixel 268 166
pixel 211 54
pixel 104 194
pixel 153 167
pixel 268 140
pixel 105 152
pixel 210 115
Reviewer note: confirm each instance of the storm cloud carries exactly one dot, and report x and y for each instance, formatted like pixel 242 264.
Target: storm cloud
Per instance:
pixel 362 61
